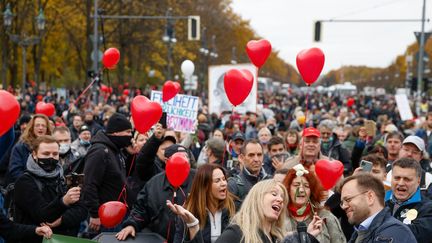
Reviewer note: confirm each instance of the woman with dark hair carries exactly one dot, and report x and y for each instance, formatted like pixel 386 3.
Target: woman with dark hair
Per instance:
pixel 292 140
pixel 305 196
pixel 39 125
pixel 210 201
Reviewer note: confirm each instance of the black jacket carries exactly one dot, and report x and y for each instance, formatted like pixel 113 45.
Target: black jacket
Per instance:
pixel 146 164
pixel 421 226
pixel 13 232
pixel 38 207
pixel 104 173
pixel 180 237
pixel 150 210
pixel 384 228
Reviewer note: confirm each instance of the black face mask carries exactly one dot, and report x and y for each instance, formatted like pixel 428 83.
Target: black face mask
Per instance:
pixel 47 164
pixel 121 141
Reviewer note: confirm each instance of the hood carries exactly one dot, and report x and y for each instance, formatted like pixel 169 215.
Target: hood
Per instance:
pixel 101 137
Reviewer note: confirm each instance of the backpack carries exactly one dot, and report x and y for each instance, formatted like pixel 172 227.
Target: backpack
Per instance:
pixel 13 213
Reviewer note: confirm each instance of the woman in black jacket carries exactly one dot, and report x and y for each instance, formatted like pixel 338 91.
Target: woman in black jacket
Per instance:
pixel 13 232
pixel 260 219
pixel 41 196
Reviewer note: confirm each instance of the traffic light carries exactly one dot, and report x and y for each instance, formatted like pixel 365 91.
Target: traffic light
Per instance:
pixel 194 28
pixel 317 31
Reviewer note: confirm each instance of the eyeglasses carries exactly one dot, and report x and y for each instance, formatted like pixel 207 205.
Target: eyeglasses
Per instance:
pixel 346 201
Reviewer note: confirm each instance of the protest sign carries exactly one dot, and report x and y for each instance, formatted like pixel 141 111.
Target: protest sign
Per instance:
pixel 403 107
pixel 182 111
pixel 66 239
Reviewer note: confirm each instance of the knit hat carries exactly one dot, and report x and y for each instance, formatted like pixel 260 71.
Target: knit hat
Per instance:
pixel 84 128
pixel 118 123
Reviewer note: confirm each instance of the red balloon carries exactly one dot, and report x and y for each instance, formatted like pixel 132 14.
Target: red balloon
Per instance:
pixel 238 84
pixel 329 172
pixel 47 109
pixel 126 92
pixel 169 90
pixel 9 110
pixel 111 57
pixel 350 102
pixel 310 63
pixel 258 51
pixel 104 88
pixel 112 213
pixel 145 113
pixel 177 169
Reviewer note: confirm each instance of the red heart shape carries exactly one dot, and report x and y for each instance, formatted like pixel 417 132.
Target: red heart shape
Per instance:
pixel 238 84
pixel 112 213
pixel 170 90
pixel 111 57
pixel 126 92
pixel 9 110
pixel 47 109
pixel 310 63
pixel 350 102
pixel 177 169
pixel 145 113
pixel 258 51
pixel 329 172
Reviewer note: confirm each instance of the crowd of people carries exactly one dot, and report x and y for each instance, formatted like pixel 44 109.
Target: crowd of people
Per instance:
pixel 252 176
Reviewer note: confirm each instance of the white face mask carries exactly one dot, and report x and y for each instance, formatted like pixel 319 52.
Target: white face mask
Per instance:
pixel 64 148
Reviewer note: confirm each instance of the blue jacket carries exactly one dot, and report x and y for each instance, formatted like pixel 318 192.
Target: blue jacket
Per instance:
pixel 421 226
pixel 427 139
pixel 385 228
pixel 18 161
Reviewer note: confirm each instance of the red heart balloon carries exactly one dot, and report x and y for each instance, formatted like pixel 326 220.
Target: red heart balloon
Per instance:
pixel 310 63
pixel 238 84
pixel 47 109
pixel 258 51
pixel 145 113
pixel 112 213
pixel 169 90
pixel 329 172
pixel 350 102
pixel 9 110
pixel 111 57
pixel 104 88
pixel 177 169
pixel 126 92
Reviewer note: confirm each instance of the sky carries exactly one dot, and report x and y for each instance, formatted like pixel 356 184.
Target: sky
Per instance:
pixel 289 26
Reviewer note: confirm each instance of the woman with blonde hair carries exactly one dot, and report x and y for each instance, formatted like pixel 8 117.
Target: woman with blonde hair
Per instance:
pixel 260 219
pixel 39 125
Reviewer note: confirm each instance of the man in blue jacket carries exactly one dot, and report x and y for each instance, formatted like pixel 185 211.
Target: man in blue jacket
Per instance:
pixel 362 199
pixel 405 200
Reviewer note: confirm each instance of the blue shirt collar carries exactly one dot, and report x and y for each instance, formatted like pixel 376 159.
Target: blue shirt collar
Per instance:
pixel 416 197
pixel 366 223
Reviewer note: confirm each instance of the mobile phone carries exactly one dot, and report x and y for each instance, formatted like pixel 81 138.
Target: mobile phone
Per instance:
pixel 370 128
pixel 163 120
pixel 74 180
pixel 366 165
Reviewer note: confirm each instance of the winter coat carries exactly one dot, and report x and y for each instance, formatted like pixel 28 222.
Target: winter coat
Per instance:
pixel 150 210
pixel 384 228
pixel 18 160
pixel 421 226
pixel 105 173
pixel 12 232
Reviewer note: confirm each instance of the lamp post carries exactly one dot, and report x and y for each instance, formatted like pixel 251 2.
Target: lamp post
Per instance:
pixel 169 39
pixel 204 53
pixel 213 51
pixel 7 22
pixel 23 41
pixel 233 55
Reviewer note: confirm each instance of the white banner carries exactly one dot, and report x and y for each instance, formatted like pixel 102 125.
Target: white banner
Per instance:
pixel 403 107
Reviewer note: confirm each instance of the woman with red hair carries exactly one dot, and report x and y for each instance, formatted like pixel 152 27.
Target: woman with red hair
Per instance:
pixel 305 196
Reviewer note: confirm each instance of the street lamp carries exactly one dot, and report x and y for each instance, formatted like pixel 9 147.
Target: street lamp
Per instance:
pixel 7 22
pixel 213 52
pixel 23 41
pixel 169 39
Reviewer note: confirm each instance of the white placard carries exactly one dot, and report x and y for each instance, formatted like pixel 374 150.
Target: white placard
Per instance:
pixel 403 107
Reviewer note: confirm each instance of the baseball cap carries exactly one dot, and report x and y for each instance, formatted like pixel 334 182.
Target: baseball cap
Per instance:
pixel 84 128
pixel 169 138
pixel 417 141
pixel 237 136
pixel 311 132
pixel 174 149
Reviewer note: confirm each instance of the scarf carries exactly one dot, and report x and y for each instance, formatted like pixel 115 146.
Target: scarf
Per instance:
pixel 34 168
pixel 293 210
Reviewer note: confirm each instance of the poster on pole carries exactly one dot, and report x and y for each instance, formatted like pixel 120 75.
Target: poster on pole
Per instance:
pixel 182 111
pixel 218 100
pixel 403 107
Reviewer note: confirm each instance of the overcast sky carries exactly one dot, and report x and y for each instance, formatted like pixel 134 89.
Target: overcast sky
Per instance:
pixel 288 25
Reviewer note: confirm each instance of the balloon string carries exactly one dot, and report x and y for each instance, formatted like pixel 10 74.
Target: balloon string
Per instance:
pixel 123 193
pixel 169 223
pixel 257 96
pixel 84 91
pixel 307 106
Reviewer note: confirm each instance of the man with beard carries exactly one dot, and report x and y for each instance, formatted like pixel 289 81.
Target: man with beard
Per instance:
pixel 105 168
pixel 405 201
pixel 362 198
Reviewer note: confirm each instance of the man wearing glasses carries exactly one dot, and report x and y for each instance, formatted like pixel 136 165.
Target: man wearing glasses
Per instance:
pixel 405 200
pixel 413 147
pixel 362 199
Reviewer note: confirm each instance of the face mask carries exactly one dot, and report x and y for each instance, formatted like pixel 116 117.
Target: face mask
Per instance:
pixel 88 122
pixel 121 141
pixel 64 148
pixel 47 164
pixel 84 143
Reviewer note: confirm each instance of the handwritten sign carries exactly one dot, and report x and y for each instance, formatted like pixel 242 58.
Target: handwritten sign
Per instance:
pixel 182 111
pixel 403 107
